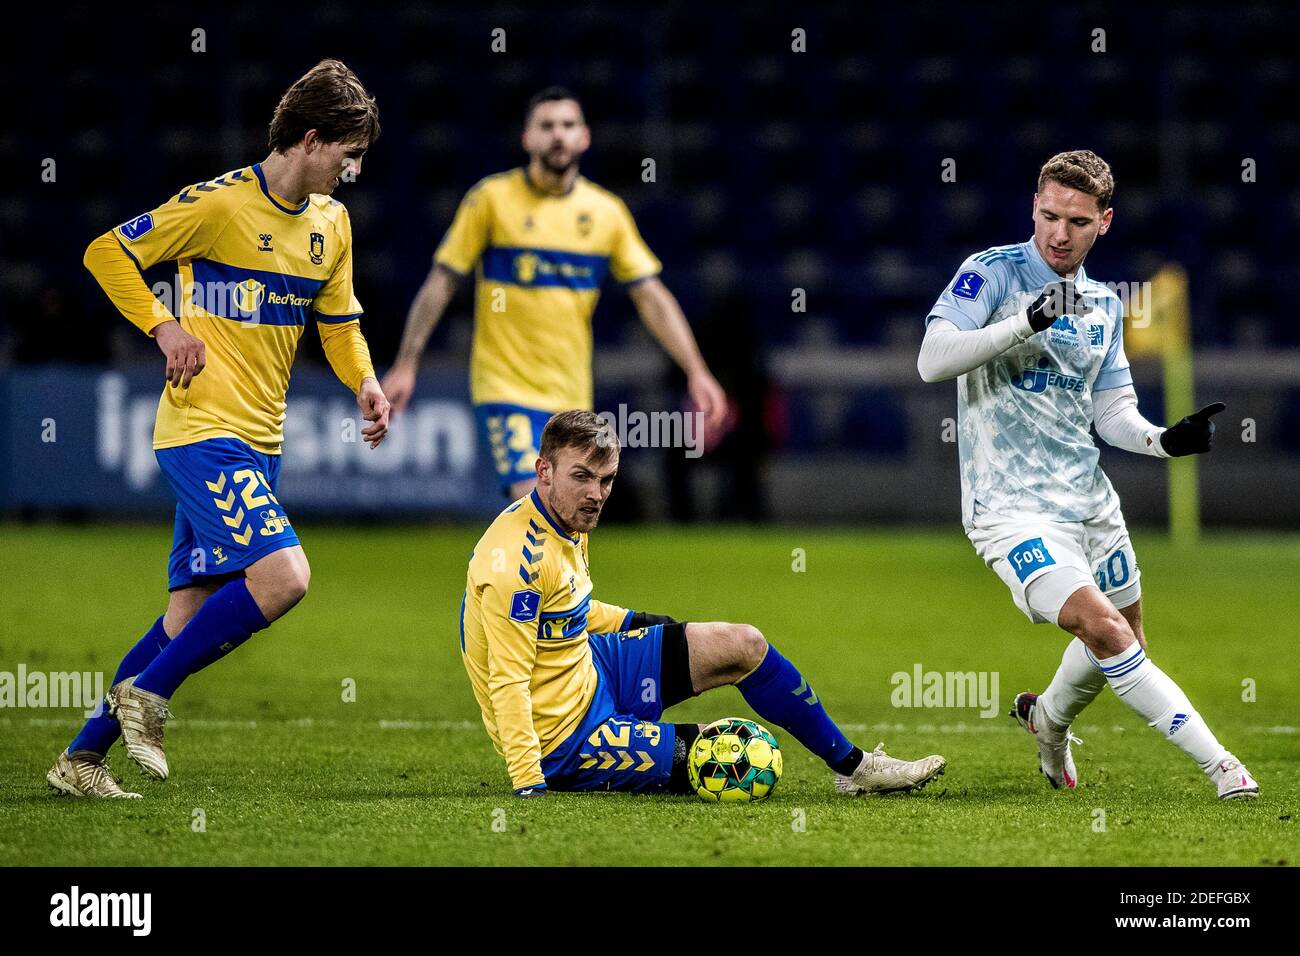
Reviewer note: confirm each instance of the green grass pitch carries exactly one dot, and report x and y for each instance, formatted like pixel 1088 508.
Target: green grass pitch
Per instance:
pixel 279 769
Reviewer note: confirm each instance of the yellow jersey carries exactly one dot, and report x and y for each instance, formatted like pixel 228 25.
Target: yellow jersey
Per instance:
pixel 540 262
pixel 524 622
pixel 253 270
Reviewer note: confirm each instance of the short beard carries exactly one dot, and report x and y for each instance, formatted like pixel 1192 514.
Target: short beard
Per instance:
pixel 558 170
pixel 577 516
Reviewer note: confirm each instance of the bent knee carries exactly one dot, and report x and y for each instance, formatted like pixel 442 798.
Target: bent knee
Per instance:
pixel 749 645
pixel 291 583
pixel 296 583
pixel 1109 634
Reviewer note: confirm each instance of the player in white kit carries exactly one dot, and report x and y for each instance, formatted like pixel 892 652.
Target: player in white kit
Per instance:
pixel 1037 349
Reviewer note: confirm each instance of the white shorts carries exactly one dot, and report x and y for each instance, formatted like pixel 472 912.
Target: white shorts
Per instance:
pixel 1043 562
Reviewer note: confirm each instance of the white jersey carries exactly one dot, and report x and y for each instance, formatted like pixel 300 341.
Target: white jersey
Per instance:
pixel 1024 418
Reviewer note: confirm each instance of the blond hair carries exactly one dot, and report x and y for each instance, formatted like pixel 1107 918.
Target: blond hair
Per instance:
pixel 580 429
pixel 1080 169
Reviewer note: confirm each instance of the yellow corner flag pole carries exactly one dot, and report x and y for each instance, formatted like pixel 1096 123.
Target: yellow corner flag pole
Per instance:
pixel 1163 329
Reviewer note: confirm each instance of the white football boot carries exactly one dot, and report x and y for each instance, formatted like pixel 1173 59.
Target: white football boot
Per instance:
pixel 880 773
pixel 86 774
pixel 1234 781
pixel 1054 757
pixel 142 715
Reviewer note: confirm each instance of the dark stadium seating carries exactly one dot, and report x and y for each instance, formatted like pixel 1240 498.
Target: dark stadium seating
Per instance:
pixel 817 169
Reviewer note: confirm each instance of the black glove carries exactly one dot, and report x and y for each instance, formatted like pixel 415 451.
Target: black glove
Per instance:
pixel 642 619
pixel 1192 435
pixel 1056 299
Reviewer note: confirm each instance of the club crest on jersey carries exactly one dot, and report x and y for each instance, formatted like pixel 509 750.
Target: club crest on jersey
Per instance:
pixel 1063 332
pixel 1037 379
pixel 133 229
pixel 317 248
pixel 524 606
pixel 968 285
pixel 1066 331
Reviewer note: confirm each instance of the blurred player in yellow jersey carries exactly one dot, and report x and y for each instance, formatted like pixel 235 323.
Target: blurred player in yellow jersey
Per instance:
pixel 543 238
pixel 262 251
pixel 572 689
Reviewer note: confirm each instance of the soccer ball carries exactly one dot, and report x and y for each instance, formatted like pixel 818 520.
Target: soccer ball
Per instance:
pixel 734 760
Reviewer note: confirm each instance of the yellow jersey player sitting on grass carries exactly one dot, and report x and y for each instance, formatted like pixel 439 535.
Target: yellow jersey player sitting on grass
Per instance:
pixel 543 238
pixel 260 249
pixel 559 674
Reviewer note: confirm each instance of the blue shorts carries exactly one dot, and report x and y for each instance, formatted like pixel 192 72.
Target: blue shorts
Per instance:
pixel 513 434
pixel 227 515
pixel 619 745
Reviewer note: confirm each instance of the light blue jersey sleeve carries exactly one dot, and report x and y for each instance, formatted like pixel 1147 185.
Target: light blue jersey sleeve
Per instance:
pixel 974 293
pixel 1114 371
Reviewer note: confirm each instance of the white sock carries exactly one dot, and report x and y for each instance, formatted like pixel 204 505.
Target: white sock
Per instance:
pixel 1074 686
pixel 1153 694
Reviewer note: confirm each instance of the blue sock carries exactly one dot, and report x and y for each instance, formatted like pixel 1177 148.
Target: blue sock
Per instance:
pixel 99 732
pixel 227 619
pixel 779 694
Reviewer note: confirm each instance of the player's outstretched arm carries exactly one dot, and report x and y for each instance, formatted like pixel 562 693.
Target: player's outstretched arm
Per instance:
pixel 663 316
pixel 646 619
pixel 1121 425
pixel 605 618
pixel 426 310
pixel 1193 435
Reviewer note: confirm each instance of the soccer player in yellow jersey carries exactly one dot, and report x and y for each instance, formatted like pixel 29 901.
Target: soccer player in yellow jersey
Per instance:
pixel 261 251
pixel 572 689
pixel 543 238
